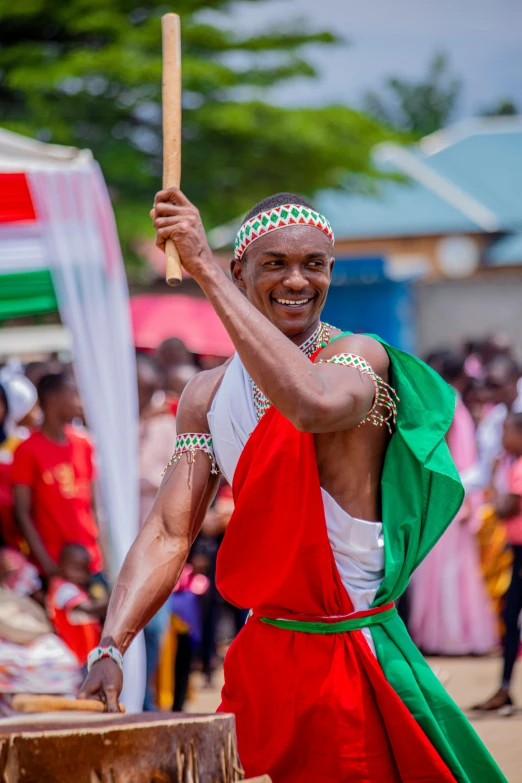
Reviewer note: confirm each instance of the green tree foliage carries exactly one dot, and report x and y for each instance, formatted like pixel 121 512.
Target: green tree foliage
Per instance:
pixel 418 107
pixel 88 73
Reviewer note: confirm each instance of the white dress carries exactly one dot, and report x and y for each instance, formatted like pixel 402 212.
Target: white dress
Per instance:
pixel 357 545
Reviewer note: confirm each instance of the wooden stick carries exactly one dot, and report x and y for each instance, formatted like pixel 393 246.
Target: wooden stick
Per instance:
pixel 171 126
pixel 27 702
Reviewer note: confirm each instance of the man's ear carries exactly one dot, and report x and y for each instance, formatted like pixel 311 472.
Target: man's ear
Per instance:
pixel 332 264
pixel 236 270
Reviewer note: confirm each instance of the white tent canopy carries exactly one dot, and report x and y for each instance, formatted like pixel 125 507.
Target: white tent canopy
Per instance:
pixel 18 153
pixel 74 236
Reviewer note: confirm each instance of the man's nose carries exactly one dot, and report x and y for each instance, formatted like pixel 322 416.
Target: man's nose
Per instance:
pixel 295 279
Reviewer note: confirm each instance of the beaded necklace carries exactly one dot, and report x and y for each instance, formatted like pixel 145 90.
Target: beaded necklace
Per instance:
pixel 319 339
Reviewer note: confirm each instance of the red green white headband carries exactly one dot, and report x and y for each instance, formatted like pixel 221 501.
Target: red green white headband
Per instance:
pixel 280 217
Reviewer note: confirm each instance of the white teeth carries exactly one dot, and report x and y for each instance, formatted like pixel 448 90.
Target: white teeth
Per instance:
pixel 292 302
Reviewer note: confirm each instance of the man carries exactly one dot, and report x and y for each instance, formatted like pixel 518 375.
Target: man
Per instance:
pixel 323 679
pixel 505 386
pixel 53 474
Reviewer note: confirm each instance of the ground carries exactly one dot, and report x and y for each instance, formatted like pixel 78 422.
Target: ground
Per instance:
pixel 468 680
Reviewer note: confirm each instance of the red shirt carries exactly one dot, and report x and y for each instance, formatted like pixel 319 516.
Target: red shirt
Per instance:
pixel 79 630
pixel 60 477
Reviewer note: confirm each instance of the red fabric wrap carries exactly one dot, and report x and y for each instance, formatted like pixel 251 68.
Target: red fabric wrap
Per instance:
pixel 309 707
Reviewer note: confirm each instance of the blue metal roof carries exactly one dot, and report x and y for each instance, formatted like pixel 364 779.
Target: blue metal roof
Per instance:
pixel 481 159
pixel 505 252
pixel 399 209
pixel 488 166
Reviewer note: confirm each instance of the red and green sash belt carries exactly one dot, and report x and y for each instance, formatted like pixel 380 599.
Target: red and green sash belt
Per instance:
pixel 327 625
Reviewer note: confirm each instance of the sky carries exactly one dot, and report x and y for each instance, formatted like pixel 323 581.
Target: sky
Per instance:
pixel 483 39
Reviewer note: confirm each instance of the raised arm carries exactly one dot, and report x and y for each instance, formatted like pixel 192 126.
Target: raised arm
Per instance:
pixel 315 398
pixel 155 560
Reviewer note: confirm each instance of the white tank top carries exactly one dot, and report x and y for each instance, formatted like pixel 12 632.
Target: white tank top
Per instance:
pixel 357 545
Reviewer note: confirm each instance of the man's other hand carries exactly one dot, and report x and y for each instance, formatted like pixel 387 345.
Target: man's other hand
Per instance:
pixel 104 682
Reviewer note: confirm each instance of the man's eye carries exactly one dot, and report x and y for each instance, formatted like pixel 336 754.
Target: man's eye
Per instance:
pixel 316 263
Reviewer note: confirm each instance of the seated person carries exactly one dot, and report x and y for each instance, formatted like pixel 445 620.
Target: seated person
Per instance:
pixel 75 615
pixel 32 658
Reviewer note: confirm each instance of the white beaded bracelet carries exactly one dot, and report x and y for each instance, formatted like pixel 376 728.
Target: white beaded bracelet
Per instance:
pixel 99 653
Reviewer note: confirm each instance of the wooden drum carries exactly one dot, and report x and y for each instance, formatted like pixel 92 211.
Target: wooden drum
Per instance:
pixel 100 748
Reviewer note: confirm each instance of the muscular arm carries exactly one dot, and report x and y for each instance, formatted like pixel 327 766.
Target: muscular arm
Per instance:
pixel 22 498
pixel 315 398
pixel 155 560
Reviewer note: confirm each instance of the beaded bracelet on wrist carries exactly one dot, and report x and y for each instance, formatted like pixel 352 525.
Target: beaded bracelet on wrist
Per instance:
pixel 190 443
pixel 384 408
pixel 99 653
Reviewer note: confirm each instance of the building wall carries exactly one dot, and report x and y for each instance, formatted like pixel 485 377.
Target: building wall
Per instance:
pixel 409 255
pixel 450 311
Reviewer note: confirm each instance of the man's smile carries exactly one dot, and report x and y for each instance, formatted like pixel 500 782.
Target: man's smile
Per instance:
pixel 293 303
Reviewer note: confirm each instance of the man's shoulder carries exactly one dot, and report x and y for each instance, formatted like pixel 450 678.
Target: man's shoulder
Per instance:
pixel 197 398
pixel 361 345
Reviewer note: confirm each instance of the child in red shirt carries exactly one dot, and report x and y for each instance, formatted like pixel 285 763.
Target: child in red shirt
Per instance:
pixel 52 474
pixel 76 617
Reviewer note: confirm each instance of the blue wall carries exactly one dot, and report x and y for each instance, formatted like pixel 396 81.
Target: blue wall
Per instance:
pixel 363 299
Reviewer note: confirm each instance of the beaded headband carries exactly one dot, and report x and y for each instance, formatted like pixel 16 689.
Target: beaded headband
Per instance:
pixel 280 217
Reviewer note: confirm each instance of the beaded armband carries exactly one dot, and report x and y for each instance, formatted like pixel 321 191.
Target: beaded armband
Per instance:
pixel 191 442
pixel 384 408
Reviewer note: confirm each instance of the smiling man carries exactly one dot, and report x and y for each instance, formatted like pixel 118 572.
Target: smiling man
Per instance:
pixel 340 490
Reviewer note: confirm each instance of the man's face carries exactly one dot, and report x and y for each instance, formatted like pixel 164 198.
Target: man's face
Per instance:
pixel 286 276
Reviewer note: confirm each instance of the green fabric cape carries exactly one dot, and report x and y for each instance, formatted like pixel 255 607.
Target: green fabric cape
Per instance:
pixel 421 494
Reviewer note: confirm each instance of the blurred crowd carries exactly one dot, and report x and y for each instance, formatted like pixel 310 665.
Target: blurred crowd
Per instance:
pixel 54 589
pixel 54 585
pixel 466 596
